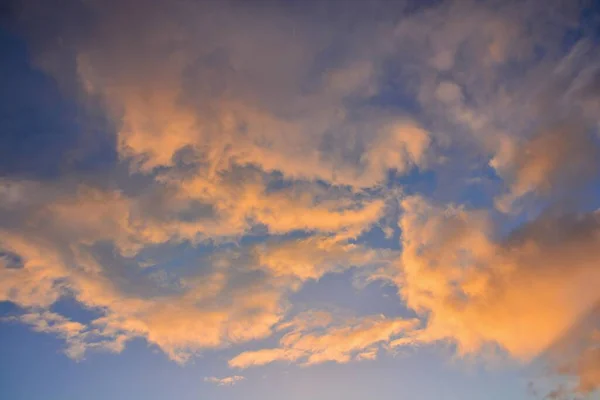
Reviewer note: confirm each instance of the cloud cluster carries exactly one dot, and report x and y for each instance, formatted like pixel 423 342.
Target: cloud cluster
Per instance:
pixel 230 296
pixel 522 292
pixel 272 144
pixel 248 96
pixel 220 141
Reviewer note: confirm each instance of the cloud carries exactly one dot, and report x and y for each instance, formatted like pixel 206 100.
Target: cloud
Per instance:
pixel 316 338
pixel 78 337
pixel 231 99
pixel 588 371
pixel 314 257
pixel 238 296
pixel 225 381
pixel 560 157
pixel 521 293
pixel 273 145
pixel 220 141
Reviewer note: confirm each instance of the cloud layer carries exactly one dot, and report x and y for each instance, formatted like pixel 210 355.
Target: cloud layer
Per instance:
pixel 450 150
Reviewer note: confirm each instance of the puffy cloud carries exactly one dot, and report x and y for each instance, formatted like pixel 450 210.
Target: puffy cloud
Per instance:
pixel 58 246
pixel 206 125
pixel 521 293
pixel 225 381
pixel 206 312
pixel 314 339
pixel 231 98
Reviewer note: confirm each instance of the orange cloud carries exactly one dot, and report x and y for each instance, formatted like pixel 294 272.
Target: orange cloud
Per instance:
pixel 233 103
pixel 57 242
pixel 522 294
pixel 226 381
pixel 314 341
pixel 313 257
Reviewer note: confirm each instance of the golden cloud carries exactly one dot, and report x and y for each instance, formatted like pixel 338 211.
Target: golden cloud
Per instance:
pixel 313 339
pixel 522 293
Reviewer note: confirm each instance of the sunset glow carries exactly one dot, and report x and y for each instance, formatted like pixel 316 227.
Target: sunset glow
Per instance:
pixel 312 200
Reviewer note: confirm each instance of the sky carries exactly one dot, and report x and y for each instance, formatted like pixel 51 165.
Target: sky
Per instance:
pixel 285 199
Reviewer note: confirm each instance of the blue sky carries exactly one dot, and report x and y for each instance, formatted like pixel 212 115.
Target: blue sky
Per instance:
pixel 300 200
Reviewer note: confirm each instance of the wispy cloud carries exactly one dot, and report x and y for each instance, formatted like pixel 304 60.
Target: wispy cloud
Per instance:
pixel 313 340
pixel 225 381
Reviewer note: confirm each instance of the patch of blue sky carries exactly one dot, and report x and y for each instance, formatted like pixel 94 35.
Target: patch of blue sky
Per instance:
pixel 45 133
